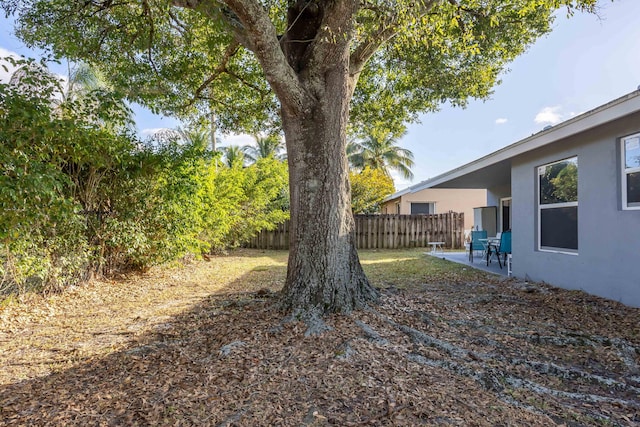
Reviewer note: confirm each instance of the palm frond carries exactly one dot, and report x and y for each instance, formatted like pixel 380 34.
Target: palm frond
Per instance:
pixel 380 151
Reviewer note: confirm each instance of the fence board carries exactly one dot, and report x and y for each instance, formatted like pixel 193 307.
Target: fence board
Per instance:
pixel 384 232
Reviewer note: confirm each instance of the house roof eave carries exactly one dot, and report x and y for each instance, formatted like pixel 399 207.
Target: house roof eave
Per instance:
pixel 616 109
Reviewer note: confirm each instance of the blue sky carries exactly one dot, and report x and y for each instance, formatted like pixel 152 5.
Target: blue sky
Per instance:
pixel 585 62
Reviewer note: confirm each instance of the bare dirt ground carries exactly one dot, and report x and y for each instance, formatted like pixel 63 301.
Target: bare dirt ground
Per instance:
pixel 204 345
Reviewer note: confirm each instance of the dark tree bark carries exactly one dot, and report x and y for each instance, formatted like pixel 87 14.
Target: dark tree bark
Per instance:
pixel 324 272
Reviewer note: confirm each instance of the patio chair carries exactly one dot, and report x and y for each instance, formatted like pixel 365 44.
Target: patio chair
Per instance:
pixel 504 247
pixel 476 244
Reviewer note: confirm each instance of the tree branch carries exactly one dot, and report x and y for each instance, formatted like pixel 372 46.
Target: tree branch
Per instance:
pixel 147 15
pixel 228 54
pixel 252 27
pixel 386 31
pixel 176 23
pixel 220 69
pixel 363 52
pixel 335 32
pixel 242 80
pixel 266 46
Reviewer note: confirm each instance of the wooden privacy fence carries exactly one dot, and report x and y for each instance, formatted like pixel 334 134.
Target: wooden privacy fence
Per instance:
pixel 385 232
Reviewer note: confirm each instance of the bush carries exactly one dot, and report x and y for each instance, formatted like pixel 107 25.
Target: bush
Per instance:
pixel 41 247
pixel 242 201
pixel 80 196
pixel 368 188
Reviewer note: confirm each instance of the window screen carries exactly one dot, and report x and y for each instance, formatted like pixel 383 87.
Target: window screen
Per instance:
pixel 558 205
pixel 423 208
pixel 559 228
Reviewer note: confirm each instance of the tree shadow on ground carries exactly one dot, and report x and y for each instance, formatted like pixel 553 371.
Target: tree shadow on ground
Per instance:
pixel 441 353
pixel 162 376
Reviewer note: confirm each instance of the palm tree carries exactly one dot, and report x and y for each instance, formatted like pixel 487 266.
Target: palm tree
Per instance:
pixel 380 151
pixel 269 146
pixel 233 155
pixel 82 80
pixel 83 84
pixel 196 136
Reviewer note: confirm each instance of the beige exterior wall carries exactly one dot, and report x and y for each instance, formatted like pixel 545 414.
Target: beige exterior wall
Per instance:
pixel 445 199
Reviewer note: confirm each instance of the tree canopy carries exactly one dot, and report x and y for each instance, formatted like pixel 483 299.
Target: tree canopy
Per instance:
pixel 184 56
pixel 313 67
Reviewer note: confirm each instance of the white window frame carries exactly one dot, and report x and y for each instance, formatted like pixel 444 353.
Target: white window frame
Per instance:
pixel 541 207
pixel 626 171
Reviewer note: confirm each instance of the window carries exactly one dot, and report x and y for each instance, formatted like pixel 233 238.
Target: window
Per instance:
pixel 631 172
pixel 505 214
pixel 423 208
pixel 558 206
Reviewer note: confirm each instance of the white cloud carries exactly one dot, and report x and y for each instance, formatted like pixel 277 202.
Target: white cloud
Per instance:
pixel 151 131
pixel 4 52
pixel 227 140
pixel 549 115
pixel 501 121
pixel 6 75
pixel 240 140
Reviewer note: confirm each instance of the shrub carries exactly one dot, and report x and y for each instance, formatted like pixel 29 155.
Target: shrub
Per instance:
pixel 81 196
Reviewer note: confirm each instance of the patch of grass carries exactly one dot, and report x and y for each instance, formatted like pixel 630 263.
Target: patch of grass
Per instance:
pixel 43 334
pixel 405 268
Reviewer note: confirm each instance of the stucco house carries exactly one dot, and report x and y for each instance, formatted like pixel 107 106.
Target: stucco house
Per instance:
pixel 571 194
pixel 434 201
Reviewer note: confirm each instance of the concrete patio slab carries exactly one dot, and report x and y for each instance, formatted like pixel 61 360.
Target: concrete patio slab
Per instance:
pixel 478 262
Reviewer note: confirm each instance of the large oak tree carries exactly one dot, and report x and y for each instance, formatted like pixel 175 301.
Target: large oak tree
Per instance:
pixel 312 66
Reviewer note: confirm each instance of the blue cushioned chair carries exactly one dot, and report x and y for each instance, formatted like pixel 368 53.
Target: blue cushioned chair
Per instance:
pixel 476 244
pixel 503 248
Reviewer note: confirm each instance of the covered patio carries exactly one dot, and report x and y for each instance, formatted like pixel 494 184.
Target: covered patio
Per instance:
pixel 570 195
pixel 492 173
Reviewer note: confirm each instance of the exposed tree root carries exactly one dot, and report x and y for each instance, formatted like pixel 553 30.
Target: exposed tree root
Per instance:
pixel 516 380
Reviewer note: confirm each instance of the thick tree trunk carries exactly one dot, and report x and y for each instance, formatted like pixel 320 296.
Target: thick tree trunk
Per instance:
pixel 324 272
